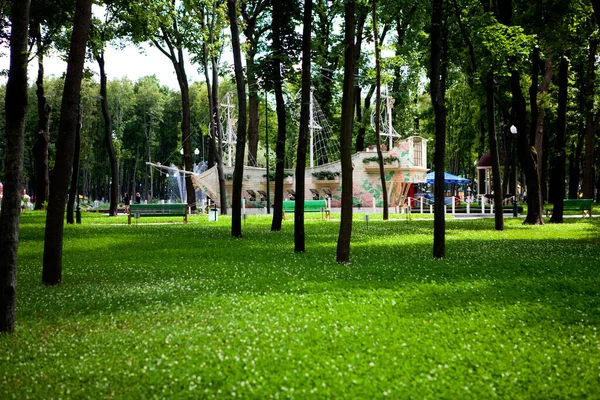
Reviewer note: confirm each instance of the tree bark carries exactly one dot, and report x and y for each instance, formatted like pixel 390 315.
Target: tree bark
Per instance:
pixel 439 108
pixel 52 267
pixel 175 55
pixel 215 155
pixel 277 24
pixel 345 234
pixel 384 192
pixel 526 153
pixel 42 138
pixel 299 233
pixel 108 142
pixel 493 142
pixel 240 149
pixel 561 131
pixel 75 173
pixel 15 107
pixel 218 132
pixel 590 124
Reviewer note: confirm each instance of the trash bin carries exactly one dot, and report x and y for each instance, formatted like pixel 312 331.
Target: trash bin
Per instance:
pixel 213 215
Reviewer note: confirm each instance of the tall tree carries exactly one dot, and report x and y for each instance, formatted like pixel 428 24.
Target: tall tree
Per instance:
pixel 163 23
pixel 15 107
pixel 238 172
pixel 48 20
pixel 561 131
pixel 74 189
pixel 592 120
pixel 378 113
pixel 52 266
pixel 345 234
pixel 299 232
pixel 439 108
pixel 255 27
pixel 494 152
pixel 102 32
pixel 283 37
pixel 209 23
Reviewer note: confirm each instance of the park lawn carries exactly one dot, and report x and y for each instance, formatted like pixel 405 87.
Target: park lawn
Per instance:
pixel 159 310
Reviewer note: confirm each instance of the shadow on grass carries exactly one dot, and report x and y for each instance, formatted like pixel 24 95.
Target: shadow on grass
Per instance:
pixel 120 269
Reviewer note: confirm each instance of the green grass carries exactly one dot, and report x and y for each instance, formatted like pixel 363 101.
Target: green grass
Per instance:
pixel 159 310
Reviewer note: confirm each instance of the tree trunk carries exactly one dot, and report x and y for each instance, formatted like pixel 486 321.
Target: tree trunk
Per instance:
pixel 15 107
pixel 253 102
pixel 574 167
pixel 52 267
pixel 526 153
pixel 561 131
pixel 73 191
pixel 186 143
pixel 299 234
pixel 42 138
pixel 439 108
pixel 278 22
pixel 108 142
pixel 384 192
pixel 218 133
pixel 240 149
pixel 345 234
pixel 360 25
pixel 590 122
pixel 491 126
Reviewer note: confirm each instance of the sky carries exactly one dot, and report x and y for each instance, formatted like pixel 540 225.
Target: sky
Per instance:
pixel 128 62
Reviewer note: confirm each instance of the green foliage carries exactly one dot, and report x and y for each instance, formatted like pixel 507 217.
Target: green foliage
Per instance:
pixel 386 160
pixel 185 311
pixel 272 176
pixel 326 175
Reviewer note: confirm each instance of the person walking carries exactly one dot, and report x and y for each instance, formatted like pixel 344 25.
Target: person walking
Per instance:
pixel 127 201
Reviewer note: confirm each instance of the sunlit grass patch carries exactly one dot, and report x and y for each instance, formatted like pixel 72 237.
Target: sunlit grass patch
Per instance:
pixel 166 309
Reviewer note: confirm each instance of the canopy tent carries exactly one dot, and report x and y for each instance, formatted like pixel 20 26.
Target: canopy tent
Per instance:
pixel 448 178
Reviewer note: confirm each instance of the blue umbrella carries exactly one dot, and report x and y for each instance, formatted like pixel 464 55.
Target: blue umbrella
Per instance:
pixel 448 178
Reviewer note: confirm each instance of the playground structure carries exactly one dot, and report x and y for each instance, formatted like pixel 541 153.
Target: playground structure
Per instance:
pixel 405 163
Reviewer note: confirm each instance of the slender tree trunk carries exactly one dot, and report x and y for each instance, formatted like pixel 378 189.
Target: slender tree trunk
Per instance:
pixel 253 102
pixel 42 138
pixel 175 55
pixel 186 131
pixel 574 167
pixel 52 267
pixel 384 192
pixel 73 191
pixel 15 107
pixel 238 173
pixel 360 25
pixel 108 142
pixel 299 233
pixel 561 132
pixel 345 234
pixel 526 153
pixel 278 21
pixel 218 133
pixel 491 126
pixel 439 108
pixel 590 123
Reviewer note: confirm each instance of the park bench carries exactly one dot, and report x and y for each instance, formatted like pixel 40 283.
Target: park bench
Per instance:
pixel 158 210
pixel 310 206
pixel 583 205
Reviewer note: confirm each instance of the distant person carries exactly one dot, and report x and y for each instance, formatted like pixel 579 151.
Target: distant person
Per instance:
pixel 138 198
pixel 127 201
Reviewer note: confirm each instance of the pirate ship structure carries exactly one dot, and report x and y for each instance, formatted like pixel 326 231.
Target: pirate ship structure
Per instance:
pixel 404 164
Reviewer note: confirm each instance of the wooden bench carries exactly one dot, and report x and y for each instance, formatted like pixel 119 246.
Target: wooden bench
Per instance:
pixel 583 205
pixel 158 210
pixel 310 206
